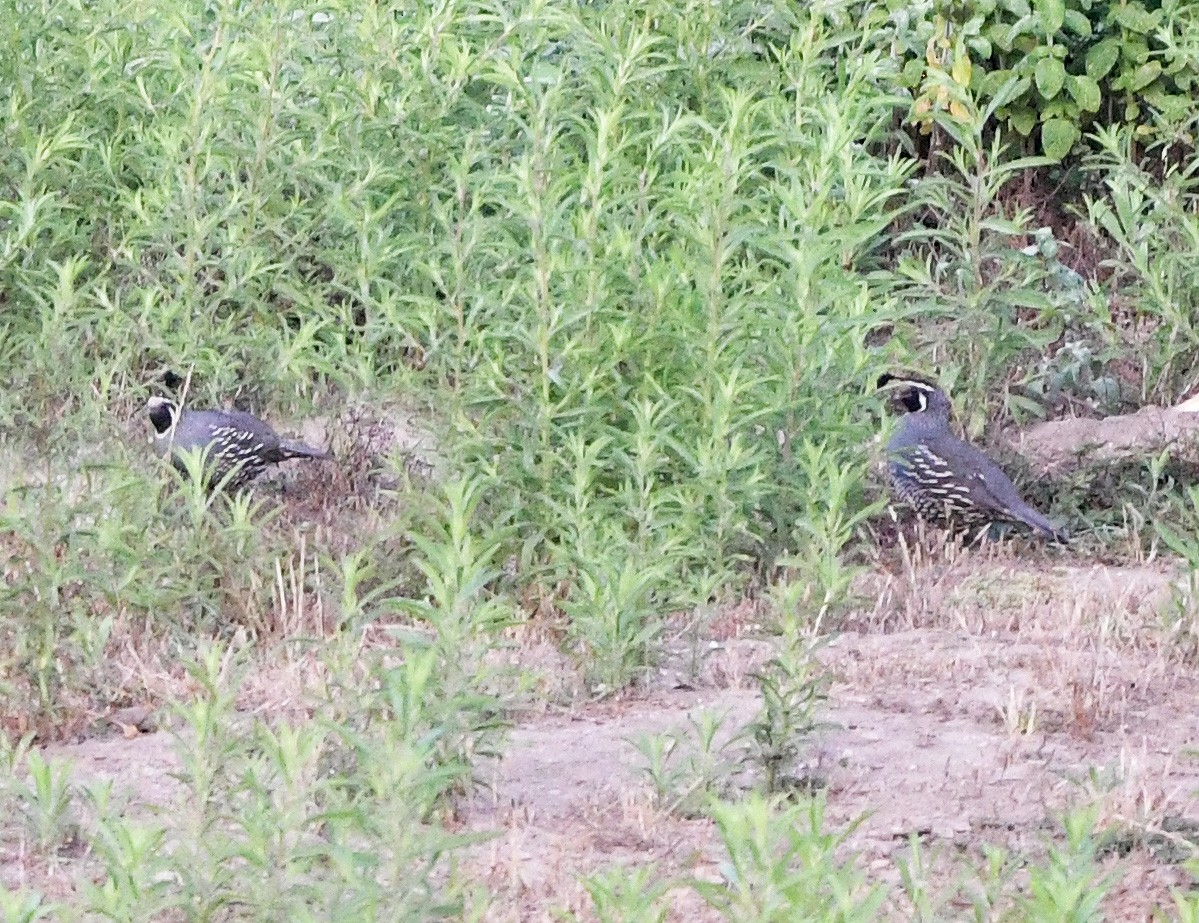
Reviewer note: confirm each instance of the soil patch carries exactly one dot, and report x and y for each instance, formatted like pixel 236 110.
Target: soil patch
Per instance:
pixel 970 721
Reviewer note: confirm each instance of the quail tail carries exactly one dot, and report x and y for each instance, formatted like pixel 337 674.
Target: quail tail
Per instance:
pixel 1027 515
pixel 291 448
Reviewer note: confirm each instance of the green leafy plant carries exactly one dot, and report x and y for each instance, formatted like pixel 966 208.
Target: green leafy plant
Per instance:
pixel 43 801
pixel 1070 886
pixel 687 768
pixel 615 615
pixel 782 865
pixel 624 896
pixel 793 685
pixel 1152 223
pixel 23 907
pixel 457 558
pixel 986 299
pixel 1068 63
pixel 632 267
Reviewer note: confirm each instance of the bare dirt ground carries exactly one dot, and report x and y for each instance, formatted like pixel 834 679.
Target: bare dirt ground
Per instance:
pixel 972 702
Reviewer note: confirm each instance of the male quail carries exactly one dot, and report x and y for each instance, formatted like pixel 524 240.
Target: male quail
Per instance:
pixel 239 445
pixel 948 481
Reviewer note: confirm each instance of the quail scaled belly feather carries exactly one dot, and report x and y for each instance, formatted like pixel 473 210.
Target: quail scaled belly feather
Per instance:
pixel 239 445
pixel 945 480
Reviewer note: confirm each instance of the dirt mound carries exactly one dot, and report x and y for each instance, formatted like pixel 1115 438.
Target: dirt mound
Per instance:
pixel 1058 446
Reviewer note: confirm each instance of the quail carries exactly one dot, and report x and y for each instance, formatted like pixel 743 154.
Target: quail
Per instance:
pixel 239 445
pixel 945 480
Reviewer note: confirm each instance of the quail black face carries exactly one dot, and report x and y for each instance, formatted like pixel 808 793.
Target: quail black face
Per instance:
pixel 162 414
pixel 912 399
pixel 914 394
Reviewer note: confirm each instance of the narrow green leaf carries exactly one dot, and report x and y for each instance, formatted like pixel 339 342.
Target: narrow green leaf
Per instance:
pixel 1183 547
pixel 1134 49
pixel 912 73
pixel 1001 226
pixel 999 35
pixel 1020 27
pixel 1176 104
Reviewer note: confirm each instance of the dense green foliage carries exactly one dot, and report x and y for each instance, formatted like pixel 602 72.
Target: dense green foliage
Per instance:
pixel 637 265
pixel 634 254
pixel 1063 66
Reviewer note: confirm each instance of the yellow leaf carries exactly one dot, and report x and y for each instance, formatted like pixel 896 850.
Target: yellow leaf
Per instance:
pixel 930 54
pixel 959 111
pixel 961 70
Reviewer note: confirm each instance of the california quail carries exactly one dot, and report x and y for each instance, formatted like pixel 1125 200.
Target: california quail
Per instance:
pixel 948 481
pixel 239 445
